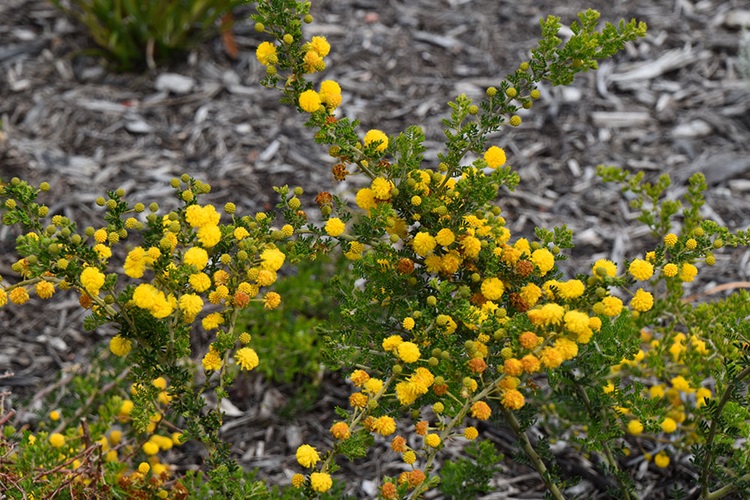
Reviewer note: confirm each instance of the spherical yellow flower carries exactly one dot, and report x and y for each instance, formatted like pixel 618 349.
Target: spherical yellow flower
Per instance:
pixel 471 433
pixel 330 94
pixel 340 430
pixel 668 425
pixel 271 300
pixel 247 358
pixel 445 237
pixel 392 342
pixel 550 357
pixel 492 288
pixel 408 323
pixel 190 304
pixel 144 468
pixel 212 361
pixel 661 460
pixel 358 400
pixel 272 258
pixel 530 293
pixel 495 157
pixel 150 448
pixel 119 346
pixel 373 386
pixel 307 456
pixel 365 199
pixel 471 246
pixel 608 268
pixel 309 101
pixel 571 289
pixel 670 240
pixel 612 306
pixel 376 136
pixel 381 188
pixel 576 322
pixel 670 270
pixel 409 457
pixel 100 235
pixel 513 399
pixel 56 440
pixel 408 352
pixel 200 282
pixel 209 235
pixel 641 270
pixel 513 367
pixel 385 425
pixel 481 410
pixel 320 481
pixel 212 321
pixel 92 280
pixel 44 289
pixel 266 54
pixel 688 272
pixel 642 301
pixel 335 227
pixel 359 377
pixel 298 480
pixel 635 427
pixel 423 243
pixel 544 260
pixel 197 257
pixel 432 440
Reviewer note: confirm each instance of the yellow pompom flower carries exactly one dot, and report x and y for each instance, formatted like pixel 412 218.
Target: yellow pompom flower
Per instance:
pixel 309 101
pixel 381 188
pixel 212 361
pixel 271 300
pixel 471 433
pixel 200 282
pixel 335 227
pixel 608 268
pixel 409 457
pixel 576 322
pixel 670 270
pixel 376 136
pixel 445 237
pixel 408 323
pixel 190 304
pixel 103 251
pixel 432 440
pixel 307 456
pixel 612 306
pixel 197 257
pixel 544 260
pixel 150 448
pixel 661 460
pixel 44 289
pixel 670 240
pixel 668 425
pixel 92 280
pixel 209 235
pixel 385 425
pixel 492 288
pixel 298 480
pixel 54 415
pixel 365 199
pixel 642 301
pixel 641 270
pixel 340 430
pixel 247 358
pixel 272 258
pixel 320 45
pixel 144 468
pixel 119 346
pixel 471 246
pixel 330 94
pixel 100 235
pixel 56 440
pixel 392 342
pixel 240 233
pixel 688 272
pixel 513 399
pixel 320 482
pixel 423 243
pixel 635 427
pixel 408 352
pixel 481 410
pixel 495 157
pixel 212 321
pixel 266 54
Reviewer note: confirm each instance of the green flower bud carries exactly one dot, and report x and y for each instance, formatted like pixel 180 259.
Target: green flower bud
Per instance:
pixel 139 207
pixel 44 186
pixel 111 204
pixel 174 182
pixel 259 27
pixel 120 192
pixel 153 207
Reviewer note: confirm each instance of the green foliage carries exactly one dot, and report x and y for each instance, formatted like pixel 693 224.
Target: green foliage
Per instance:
pixel 133 33
pixel 470 477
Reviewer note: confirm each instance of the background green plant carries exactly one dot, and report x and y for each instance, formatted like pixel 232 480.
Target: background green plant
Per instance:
pixel 134 33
